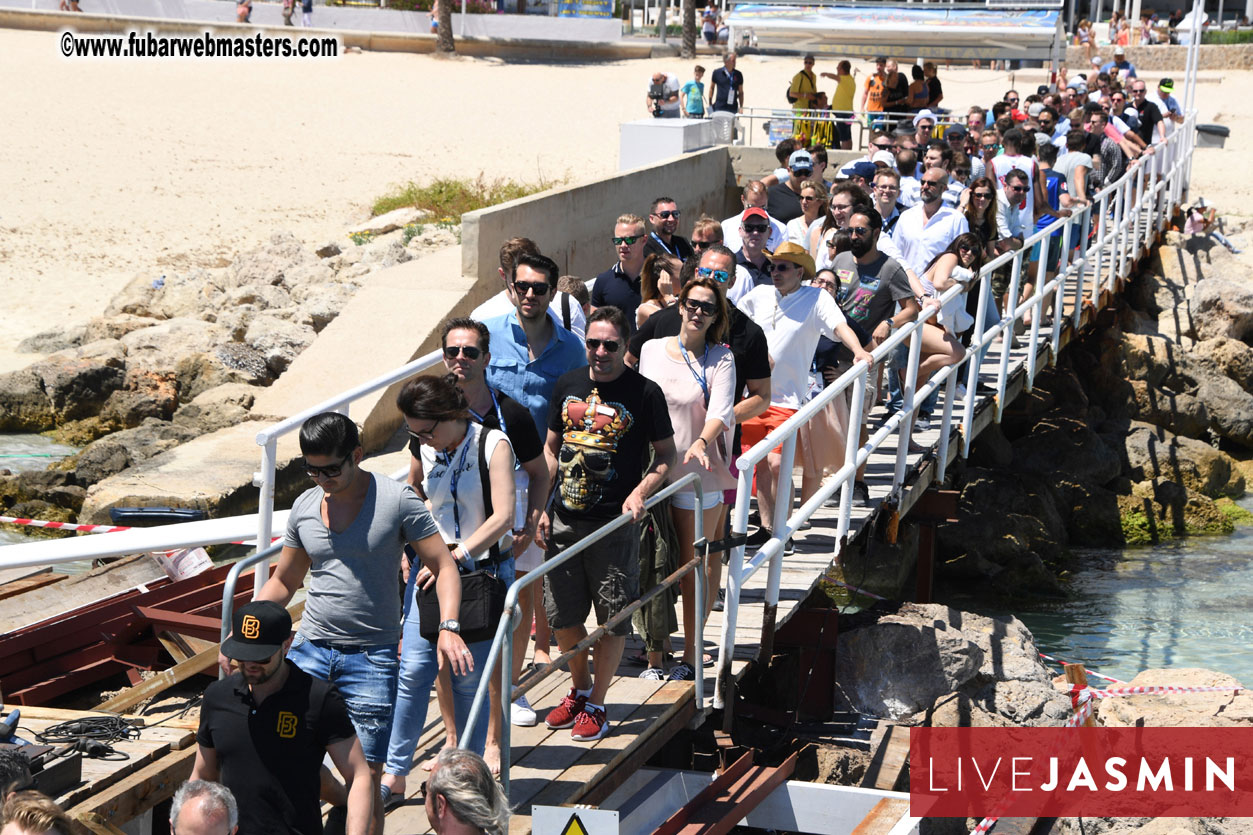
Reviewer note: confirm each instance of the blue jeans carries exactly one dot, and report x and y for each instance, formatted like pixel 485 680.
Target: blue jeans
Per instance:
pixel 419 666
pixel 366 678
pixel 896 392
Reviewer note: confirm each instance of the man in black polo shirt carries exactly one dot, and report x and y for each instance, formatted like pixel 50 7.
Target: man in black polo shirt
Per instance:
pixel 664 218
pixel 265 730
pixel 619 286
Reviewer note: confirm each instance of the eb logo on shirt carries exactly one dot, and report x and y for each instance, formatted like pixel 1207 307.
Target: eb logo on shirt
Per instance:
pixel 251 627
pixel 287 723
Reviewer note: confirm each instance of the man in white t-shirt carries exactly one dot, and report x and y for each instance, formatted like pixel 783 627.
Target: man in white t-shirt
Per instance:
pixel 663 96
pixel 793 317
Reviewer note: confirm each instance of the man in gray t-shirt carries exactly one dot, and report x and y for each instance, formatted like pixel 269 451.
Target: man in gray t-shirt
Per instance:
pixel 349 532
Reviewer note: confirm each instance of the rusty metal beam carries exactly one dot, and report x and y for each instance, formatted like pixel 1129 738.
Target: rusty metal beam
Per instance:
pixel 729 798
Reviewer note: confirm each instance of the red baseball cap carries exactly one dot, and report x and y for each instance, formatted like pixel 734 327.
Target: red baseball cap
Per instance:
pixel 754 212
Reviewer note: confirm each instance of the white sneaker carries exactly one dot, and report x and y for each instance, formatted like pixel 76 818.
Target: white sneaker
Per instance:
pixel 521 714
pixel 960 391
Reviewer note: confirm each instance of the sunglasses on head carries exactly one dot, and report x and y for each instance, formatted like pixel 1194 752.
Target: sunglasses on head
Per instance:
pixel 696 306
pixel 331 471
pixel 720 276
pixel 667 215
pixel 610 345
pixel 756 228
pixel 619 240
pixel 538 288
pixel 469 351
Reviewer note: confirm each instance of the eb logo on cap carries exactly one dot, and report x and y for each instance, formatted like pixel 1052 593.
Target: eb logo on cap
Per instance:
pixel 251 627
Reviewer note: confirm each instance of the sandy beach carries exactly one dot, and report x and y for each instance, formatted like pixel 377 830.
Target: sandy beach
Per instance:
pixel 110 169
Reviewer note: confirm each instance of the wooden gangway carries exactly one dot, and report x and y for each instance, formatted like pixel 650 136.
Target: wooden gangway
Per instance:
pixel 548 768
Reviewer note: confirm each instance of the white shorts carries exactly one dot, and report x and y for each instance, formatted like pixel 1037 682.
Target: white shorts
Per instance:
pixel 686 500
pixel 530 559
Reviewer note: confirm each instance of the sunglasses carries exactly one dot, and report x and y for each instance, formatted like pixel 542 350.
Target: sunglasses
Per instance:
pixel 807 198
pixel 619 240
pixel 884 146
pixel 693 306
pixel 859 231
pixel 932 183
pixel 782 266
pixel 332 471
pixel 720 276
pixel 536 288
pixel 698 245
pixel 887 187
pixel 756 228
pixel 610 345
pixel 802 172
pixel 1018 189
pixel 981 195
pixel 468 351
pixel 1012 101
pixel 674 213
pixel 425 434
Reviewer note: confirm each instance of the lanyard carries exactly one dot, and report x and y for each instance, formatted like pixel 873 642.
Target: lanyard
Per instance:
pixel 662 243
pixel 700 378
pixel 500 418
pixel 456 473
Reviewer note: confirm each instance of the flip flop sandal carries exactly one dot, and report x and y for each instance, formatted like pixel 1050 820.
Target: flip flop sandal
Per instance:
pixel 390 799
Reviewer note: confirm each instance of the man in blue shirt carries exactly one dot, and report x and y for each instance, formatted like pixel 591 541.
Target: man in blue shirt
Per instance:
pixel 529 349
pixel 619 285
pixel 1120 64
pixel 727 91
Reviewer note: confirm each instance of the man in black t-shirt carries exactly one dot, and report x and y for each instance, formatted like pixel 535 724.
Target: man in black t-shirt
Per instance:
pixel 601 421
pixel 726 93
pixel 1151 126
pixel 265 730
pixel 664 218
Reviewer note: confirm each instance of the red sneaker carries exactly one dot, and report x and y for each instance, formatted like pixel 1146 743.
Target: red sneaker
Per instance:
pixel 564 714
pixel 590 725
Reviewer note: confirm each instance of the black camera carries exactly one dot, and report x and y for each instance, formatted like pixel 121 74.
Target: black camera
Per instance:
pixel 657 92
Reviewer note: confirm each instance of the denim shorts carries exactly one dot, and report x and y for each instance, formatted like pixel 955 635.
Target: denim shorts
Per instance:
pixel 365 677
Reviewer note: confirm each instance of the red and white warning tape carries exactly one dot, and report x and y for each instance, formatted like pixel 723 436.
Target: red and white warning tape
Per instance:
pixel 64 526
pixel 856 590
pixel 1086 670
pixel 1083 698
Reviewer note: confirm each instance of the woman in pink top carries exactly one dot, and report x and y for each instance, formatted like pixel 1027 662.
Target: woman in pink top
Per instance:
pixel 697 373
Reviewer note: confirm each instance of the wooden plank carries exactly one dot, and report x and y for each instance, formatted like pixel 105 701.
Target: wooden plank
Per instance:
pixel 179 672
pixel 884 815
pixel 24 584
pixel 140 791
pixel 175 646
pixel 887 762
pixel 98 825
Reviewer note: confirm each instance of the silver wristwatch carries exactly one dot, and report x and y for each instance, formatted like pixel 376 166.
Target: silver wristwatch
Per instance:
pixel 451 625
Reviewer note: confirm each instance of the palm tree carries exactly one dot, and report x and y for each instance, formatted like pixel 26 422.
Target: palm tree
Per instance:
pixel 443 38
pixel 689 29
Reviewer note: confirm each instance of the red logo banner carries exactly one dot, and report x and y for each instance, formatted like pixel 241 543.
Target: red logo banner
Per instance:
pixel 1093 772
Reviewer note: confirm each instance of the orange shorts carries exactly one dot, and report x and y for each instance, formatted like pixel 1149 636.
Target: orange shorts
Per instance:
pixel 753 430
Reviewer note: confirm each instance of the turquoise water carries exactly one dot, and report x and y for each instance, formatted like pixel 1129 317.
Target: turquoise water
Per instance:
pixel 19 452
pixel 1186 604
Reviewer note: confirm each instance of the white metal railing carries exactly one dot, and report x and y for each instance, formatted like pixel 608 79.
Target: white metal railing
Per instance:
pixel 1131 212
pixel 860 123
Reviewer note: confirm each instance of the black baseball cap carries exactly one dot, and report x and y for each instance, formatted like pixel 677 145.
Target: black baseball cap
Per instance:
pixel 258 630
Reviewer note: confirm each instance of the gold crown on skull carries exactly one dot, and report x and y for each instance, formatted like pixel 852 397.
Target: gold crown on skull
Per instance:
pixel 594 423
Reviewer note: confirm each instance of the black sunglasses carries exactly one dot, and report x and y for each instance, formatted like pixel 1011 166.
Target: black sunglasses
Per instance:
pixel 756 227
pixel 331 471
pixel 610 345
pixel 470 352
pixel 619 240
pixel 667 215
pixel 538 288
pixel 695 306
pixel 702 244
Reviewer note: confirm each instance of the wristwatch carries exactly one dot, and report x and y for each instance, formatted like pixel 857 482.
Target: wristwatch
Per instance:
pixel 451 625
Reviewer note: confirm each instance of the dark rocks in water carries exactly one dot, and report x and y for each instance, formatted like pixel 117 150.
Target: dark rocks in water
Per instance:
pixel 24 407
pixel 1059 444
pixel 45 511
pixel 53 487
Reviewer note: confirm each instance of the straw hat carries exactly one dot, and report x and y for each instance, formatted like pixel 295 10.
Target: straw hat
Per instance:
pixel 795 253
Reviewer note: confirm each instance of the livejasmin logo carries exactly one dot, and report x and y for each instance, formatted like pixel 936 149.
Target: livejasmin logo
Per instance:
pixel 1067 772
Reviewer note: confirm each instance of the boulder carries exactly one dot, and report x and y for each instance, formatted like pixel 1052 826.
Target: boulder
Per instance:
pixel 44 511
pixel 389 222
pixel 1158 510
pixel 234 321
pixel 1180 413
pixel 957 710
pixel 1230 408
pixel 991 449
pixel 146 394
pixel 160 347
pixel 269 263
pixel 1090 512
pixel 1067 445
pixel 1179 710
pixel 50 341
pixel 135 298
pixel 77 388
pixel 150 438
pixel 909 659
pixel 233 362
pixel 1223 306
pixel 100 460
pixel 311 275
pixel 278 340
pixel 110 352
pixel 321 303
pixel 230 394
pixel 1022 702
pixel 52 486
pixel 259 296
pixel 327 249
pixel 116 326
pixel 24 407
pixel 190 295
pixel 1151 452
pixel 386 254
pixel 1229 357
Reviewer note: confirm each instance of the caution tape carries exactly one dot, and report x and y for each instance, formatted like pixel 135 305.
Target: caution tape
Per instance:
pixel 1085 669
pixel 1083 698
pixel 856 590
pixel 64 526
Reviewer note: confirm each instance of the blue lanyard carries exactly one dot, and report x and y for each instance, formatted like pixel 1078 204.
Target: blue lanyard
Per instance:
pixel 700 378
pixel 662 243
pixel 447 459
pixel 500 418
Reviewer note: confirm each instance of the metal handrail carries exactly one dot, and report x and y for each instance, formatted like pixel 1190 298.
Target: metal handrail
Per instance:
pixel 1128 234
pixel 858 120
pixel 232 580
pixel 502 644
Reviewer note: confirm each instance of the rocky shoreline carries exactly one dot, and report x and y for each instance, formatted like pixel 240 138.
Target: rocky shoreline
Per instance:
pixel 183 355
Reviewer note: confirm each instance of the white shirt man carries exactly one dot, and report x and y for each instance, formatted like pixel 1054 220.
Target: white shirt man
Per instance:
pixel 926 229
pixel 754 197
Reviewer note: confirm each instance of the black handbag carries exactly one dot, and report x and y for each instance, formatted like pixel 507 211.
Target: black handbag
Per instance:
pixel 482 592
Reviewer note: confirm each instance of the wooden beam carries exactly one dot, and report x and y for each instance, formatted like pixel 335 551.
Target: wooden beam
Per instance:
pixel 887 762
pixel 1075 675
pixel 199 663
pixel 25 584
pixel 136 794
pixel 97 825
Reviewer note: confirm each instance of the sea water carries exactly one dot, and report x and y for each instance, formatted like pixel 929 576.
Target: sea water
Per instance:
pixel 19 452
pixel 1187 603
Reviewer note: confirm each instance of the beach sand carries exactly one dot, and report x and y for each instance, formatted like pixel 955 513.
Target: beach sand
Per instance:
pixel 109 169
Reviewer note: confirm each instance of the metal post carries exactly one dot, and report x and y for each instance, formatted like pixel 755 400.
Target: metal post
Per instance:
pixel 724 684
pixel 905 430
pixel 514 614
pixel 853 443
pixel 1081 268
pixel 265 510
pixel 1124 220
pixel 1007 333
pixel 976 348
pixel 1102 206
pixel 1037 309
pixel 700 553
pixel 946 419
pixel 782 510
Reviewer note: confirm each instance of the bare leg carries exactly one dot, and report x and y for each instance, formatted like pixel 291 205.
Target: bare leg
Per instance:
pixel 580 672
pixel 767 487
pixel 491 747
pixel 443 694
pixel 713 566
pixel 685 529
pixel 543 632
pixel 608 657
pixel 376 816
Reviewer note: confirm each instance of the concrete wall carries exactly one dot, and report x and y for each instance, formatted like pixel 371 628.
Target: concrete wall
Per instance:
pixel 572 225
pixel 1171 59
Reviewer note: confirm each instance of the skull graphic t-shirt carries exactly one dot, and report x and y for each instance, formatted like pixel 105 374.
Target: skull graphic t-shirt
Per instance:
pixel 606 430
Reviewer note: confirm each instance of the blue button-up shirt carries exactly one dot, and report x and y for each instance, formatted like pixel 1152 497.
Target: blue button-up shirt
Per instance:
pixel 530 381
